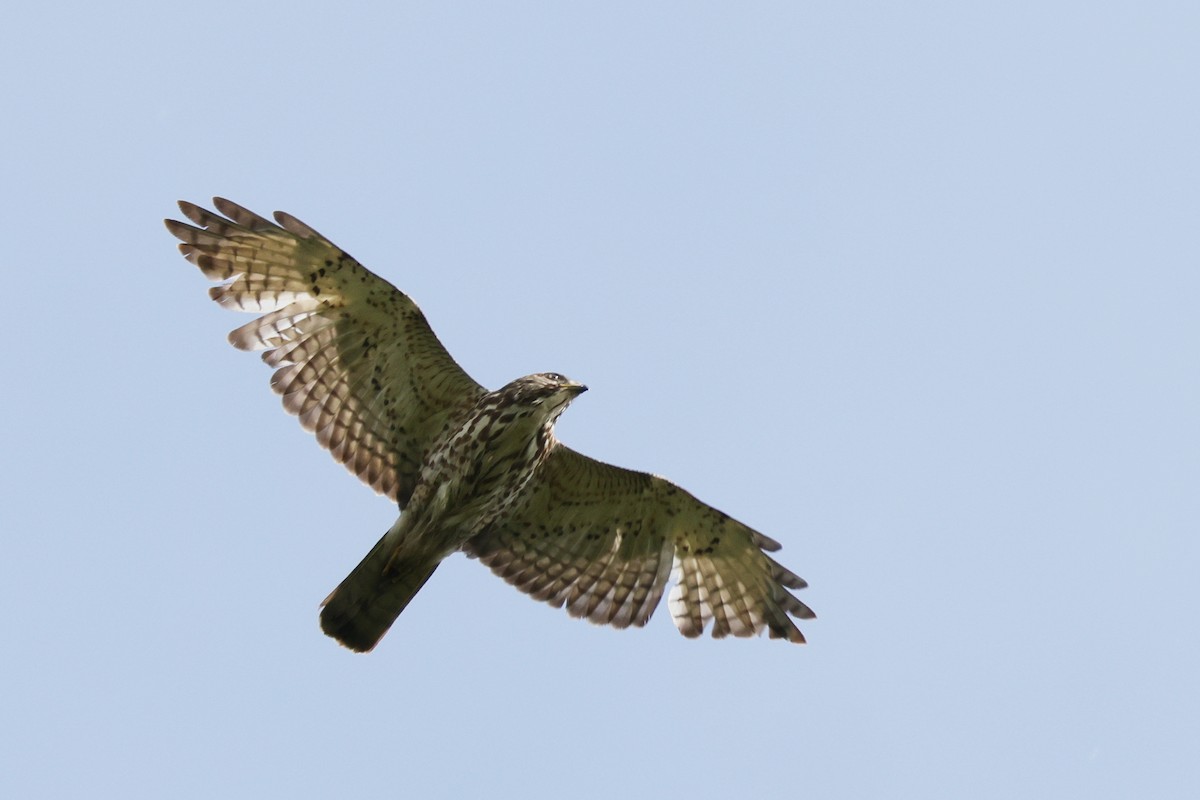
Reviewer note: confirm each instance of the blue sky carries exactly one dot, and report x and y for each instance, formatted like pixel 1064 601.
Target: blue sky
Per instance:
pixel 911 288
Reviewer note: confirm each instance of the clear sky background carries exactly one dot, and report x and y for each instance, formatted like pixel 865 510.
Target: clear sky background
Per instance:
pixel 911 287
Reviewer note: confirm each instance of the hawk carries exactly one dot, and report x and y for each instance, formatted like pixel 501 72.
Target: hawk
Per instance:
pixel 470 469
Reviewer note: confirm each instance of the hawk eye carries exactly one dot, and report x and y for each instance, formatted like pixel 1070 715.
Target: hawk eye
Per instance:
pixel 554 376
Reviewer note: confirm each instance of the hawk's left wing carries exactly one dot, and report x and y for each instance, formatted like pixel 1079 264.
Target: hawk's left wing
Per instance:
pixel 355 359
pixel 602 541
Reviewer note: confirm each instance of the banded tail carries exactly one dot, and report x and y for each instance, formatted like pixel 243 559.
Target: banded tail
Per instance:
pixel 364 605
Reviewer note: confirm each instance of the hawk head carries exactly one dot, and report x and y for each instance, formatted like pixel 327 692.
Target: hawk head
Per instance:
pixel 525 410
pixel 537 398
pixel 549 392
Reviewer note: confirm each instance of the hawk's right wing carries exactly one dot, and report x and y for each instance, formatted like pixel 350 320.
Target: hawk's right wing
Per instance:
pixel 357 362
pixel 602 541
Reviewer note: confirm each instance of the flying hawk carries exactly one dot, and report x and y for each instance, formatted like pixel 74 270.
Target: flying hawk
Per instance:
pixel 471 470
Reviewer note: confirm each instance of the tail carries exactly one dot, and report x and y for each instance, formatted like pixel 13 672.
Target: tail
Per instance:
pixel 363 606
